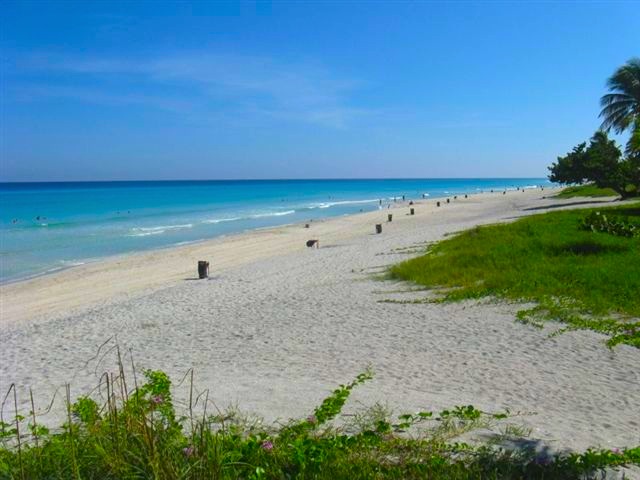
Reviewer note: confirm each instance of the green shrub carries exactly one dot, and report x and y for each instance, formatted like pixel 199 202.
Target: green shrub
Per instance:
pixel 599 222
pixel 139 435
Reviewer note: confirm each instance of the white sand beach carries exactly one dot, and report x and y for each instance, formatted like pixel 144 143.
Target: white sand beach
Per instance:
pixel 278 325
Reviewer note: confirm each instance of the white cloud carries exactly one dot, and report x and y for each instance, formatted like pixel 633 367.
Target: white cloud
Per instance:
pixel 244 85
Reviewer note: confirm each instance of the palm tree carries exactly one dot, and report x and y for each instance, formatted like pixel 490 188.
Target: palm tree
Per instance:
pixel 621 107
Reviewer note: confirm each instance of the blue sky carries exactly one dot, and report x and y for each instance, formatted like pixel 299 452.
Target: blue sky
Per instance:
pixel 204 90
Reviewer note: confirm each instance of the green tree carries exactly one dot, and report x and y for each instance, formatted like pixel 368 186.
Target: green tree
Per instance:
pixel 621 107
pixel 601 163
pixel 570 168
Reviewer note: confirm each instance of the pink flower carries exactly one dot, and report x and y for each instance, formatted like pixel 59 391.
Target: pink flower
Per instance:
pixel 188 451
pixel 617 451
pixel 157 399
pixel 312 419
pixel 267 445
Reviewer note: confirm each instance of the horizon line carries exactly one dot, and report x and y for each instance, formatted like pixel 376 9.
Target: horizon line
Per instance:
pixel 268 179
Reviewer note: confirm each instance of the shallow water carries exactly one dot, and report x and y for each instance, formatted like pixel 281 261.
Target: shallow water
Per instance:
pixel 49 226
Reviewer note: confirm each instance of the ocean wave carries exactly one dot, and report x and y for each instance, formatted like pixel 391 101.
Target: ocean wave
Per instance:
pixel 220 220
pixel 249 217
pixel 72 263
pixel 272 214
pixel 146 234
pixel 162 227
pixel 146 231
pixel 342 202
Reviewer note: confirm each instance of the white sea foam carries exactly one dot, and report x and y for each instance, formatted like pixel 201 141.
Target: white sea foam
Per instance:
pixel 342 202
pixel 162 227
pixel 220 220
pixel 272 214
pixel 146 231
pixel 146 234
pixel 72 263
pixel 249 217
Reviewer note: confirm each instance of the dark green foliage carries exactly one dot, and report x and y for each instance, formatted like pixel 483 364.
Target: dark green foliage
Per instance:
pixel 587 280
pixel 603 163
pixel 600 163
pixel 571 168
pixel 140 436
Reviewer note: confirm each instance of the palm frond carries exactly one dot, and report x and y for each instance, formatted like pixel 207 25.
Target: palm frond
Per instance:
pixel 610 98
pixel 621 107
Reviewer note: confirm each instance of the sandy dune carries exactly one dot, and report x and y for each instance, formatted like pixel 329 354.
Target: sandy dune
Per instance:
pixel 279 324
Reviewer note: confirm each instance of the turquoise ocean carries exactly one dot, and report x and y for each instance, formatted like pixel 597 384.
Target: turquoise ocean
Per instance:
pixel 46 227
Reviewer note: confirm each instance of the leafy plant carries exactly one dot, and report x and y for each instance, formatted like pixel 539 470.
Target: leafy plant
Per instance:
pixel 599 222
pixel 139 434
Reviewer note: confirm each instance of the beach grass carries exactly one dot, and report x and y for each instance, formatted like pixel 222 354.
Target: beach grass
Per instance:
pixel 586 279
pixel 141 434
pixel 589 190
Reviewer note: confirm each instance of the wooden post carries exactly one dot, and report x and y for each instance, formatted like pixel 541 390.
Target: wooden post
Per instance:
pixel 306 225
pixel 390 216
pixel 448 200
pixel 455 197
pixel 504 193
pixel 437 204
pixel 203 269
pixel 411 211
pixel 378 228
pixel 465 195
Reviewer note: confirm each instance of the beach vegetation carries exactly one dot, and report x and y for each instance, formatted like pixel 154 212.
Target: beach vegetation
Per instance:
pixel 141 434
pixel 579 267
pixel 600 163
pixel 587 190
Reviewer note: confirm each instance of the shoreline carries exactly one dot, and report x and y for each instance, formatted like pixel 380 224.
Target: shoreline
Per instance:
pixel 25 287
pixel 63 260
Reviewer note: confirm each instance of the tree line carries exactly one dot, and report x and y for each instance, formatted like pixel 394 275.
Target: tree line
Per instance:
pixel 601 161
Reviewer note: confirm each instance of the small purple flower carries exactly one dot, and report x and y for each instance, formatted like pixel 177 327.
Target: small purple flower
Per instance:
pixel 188 451
pixel 267 445
pixel 312 419
pixel 157 399
pixel 616 451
